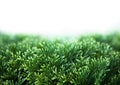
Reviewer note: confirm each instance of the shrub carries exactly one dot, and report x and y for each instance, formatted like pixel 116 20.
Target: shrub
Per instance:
pixel 30 60
pixel 112 39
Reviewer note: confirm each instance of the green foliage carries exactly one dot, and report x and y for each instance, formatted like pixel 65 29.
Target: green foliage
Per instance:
pixel 33 60
pixel 112 39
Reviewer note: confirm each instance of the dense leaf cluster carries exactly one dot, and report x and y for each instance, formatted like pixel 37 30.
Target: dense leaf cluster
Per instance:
pixel 32 60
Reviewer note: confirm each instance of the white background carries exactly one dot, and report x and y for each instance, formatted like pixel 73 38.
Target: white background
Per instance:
pixel 59 17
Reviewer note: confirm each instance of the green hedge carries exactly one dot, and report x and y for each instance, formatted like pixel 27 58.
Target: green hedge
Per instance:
pixel 112 39
pixel 33 60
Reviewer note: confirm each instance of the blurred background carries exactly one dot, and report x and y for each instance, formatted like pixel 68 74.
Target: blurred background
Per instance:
pixel 59 17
